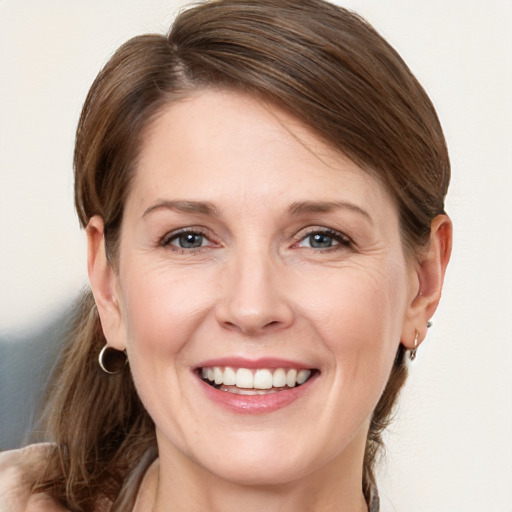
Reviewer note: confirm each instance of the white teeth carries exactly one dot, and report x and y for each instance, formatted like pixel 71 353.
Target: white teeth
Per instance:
pixel 291 377
pixel 244 378
pixel 263 380
pixel 252 391
pixel 229 377
pixel 303 376
pixel 217 375
pixel 279 378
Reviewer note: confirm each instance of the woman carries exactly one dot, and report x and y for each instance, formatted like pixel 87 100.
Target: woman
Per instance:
pixel 263 195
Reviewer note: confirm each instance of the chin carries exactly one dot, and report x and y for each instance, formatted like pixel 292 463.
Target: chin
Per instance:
pixel 266 460
pixel 258 473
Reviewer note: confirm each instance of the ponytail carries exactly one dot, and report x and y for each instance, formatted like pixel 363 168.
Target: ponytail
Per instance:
pixel 100 429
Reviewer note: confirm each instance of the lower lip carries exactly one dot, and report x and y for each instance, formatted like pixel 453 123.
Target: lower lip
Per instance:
pixel 255 404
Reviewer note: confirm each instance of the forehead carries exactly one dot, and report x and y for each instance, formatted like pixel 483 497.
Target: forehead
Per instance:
pixel 228 147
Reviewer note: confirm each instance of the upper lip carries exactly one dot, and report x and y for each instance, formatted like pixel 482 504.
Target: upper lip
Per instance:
pixel 262 362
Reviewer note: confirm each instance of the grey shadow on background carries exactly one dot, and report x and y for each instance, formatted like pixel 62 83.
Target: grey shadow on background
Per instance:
pixel 26 363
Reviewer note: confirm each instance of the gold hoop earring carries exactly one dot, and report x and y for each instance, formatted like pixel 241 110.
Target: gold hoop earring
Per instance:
pixel 412 352
pixel 112 361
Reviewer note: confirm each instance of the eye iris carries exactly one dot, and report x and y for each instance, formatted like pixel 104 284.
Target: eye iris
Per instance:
pixel 190 240
pixel 319 240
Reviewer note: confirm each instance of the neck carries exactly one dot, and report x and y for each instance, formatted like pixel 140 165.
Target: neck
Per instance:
pixel 177 484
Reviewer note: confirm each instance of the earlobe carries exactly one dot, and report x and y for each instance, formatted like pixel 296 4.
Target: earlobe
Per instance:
pixel 430 272
pixel 104 284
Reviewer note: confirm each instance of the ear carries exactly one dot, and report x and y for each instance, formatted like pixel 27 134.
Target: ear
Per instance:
pixel 427 278
pixel 105 285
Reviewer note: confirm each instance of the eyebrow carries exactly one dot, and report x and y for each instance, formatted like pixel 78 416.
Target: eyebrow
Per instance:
pixel 302 207
pixel 202 207
pixel 297 208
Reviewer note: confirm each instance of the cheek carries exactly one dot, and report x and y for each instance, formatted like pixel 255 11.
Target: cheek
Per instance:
pixel 359 317
pixel 360 305
pixel 163 312
pixel 162 309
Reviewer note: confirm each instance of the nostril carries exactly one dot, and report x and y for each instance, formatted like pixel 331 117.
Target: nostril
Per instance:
pixel 253 318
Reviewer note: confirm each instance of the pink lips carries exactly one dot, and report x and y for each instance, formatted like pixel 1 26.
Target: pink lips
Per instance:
pixel 254 404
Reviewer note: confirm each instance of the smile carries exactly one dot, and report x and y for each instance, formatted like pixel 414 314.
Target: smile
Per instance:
pixel 261 381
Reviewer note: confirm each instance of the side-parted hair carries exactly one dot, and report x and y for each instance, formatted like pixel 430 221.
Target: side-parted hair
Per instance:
pixel 321 63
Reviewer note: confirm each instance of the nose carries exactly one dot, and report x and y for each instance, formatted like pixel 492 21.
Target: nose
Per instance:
pixel 254 295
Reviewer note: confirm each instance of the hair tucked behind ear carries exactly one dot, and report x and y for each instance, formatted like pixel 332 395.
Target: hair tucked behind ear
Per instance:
pixel 381 418
pixel 321 63
pixel 101 427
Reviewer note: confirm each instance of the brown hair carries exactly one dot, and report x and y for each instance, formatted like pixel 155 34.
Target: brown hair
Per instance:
pixel 321 63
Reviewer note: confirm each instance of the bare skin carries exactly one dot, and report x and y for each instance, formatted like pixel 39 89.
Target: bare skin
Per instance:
pixel 245 237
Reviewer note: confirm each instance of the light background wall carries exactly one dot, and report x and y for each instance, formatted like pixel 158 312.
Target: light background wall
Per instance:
pixel 450 447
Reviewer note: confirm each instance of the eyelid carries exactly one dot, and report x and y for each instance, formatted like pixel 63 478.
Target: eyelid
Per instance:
pixel 165 241
pixel 340 237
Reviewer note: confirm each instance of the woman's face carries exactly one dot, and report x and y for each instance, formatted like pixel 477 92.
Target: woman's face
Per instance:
pixel 262 289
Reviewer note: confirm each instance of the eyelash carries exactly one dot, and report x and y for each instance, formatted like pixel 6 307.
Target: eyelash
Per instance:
pixel 167 240
pixel 343 241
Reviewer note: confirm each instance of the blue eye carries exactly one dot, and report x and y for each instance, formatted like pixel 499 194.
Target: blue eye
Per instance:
pixel 190 240
pixel 325 239
pixel 186 240
pixel 321 241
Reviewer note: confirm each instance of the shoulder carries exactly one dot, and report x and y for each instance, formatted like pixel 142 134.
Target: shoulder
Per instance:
pixel 19 470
